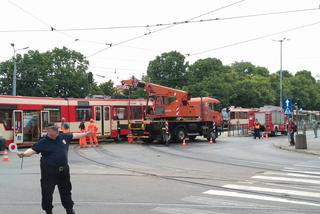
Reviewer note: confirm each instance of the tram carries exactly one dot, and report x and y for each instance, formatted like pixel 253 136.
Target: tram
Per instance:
pixel 22 119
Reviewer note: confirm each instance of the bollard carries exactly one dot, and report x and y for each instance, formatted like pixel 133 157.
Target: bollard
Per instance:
pixel 301 141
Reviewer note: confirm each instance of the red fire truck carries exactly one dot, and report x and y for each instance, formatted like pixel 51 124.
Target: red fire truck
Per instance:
pixel 273 120
pixel 22 119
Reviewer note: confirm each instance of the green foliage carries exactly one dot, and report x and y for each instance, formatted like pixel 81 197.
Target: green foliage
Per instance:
pixel 240 84
pixel 169 69
pixel 55 73
pixel 107 88
pixel 62 73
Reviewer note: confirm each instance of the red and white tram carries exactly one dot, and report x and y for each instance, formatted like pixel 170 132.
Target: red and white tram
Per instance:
pixel 22 119
pixel 242 117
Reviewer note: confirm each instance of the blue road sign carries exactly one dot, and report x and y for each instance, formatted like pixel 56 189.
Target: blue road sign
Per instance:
pixel 287 106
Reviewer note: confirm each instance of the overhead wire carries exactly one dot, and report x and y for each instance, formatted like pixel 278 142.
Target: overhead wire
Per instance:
pixel 164 28
pixel 254 39
pixel 151 25
pixel 40 20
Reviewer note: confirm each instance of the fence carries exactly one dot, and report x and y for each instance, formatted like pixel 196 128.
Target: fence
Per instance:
pixel 238 130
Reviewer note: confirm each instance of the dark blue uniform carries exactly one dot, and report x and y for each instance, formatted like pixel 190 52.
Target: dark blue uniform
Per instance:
pixel 55 170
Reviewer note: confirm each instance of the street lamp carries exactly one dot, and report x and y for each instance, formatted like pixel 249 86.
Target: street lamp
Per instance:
pixel 14 78
pixel 281 41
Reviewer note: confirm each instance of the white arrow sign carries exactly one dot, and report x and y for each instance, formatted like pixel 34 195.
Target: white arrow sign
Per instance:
pixel 287 102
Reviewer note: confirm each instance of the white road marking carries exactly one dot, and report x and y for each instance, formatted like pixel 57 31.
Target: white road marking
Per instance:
pixel 304 172
pixel 287 179
pixel 272 190
pixel 258 197
pixel 214 202
pixel 183 211
pixel 307 166
pixel 292 174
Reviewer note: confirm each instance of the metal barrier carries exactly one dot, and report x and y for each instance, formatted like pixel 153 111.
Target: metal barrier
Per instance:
pixel 238 130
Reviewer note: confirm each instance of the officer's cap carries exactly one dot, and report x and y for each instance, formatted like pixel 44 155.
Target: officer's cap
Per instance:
pixel 52 126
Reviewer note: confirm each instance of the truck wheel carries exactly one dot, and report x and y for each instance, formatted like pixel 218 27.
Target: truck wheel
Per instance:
pixel 180 133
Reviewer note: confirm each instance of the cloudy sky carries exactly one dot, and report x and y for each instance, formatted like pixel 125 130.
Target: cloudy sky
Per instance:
pixel 232 30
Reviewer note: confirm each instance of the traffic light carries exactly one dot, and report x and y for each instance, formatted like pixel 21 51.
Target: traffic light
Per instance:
pixel 90 77
pixel 298 104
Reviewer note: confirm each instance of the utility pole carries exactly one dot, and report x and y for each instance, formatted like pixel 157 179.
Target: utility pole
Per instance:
pixel 281 93
pixel 14 77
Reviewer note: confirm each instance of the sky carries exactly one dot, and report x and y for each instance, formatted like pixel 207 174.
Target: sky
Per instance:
pixel 227 36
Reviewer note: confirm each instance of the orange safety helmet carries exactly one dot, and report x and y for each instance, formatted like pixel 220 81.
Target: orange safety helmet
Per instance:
pixel 91 120
pixel 63 119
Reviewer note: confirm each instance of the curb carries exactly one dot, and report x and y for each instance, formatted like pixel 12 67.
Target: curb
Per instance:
pixel 292 149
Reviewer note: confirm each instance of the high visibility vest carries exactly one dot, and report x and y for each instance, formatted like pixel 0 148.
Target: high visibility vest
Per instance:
pixel 92 127
pixel 257 125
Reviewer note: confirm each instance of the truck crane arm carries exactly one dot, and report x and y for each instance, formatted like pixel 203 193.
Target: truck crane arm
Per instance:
pixel 157 90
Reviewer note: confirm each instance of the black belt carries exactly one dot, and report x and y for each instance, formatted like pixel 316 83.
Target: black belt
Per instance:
pixel 57 168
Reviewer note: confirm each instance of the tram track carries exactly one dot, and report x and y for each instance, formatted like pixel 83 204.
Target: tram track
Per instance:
pixel 232 161
pixel 179 179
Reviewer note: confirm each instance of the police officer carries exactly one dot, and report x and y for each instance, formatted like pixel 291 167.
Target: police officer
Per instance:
pixel 54 166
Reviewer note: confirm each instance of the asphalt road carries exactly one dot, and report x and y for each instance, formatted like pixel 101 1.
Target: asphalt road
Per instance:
pixel 235 175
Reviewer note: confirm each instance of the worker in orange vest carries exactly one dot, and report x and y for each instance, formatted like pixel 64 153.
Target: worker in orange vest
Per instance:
pixel 83 140
pixel 257 127
pixel 64 128
pixel 93 128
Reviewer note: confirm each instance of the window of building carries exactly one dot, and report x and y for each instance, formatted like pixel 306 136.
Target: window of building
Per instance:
pixel 120 113
pixel 54 113
pixel 83 113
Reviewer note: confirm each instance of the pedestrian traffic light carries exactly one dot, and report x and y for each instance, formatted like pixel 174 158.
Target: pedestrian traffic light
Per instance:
pixel 90 77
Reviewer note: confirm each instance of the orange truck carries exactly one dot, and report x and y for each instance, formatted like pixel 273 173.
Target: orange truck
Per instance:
pixel 171 115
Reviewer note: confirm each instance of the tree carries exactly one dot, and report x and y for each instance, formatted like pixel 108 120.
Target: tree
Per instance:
pixel 169 69
pixel 204 68
pixel 254 92
pixel 107 88
pixel 305 88
pixel 55 73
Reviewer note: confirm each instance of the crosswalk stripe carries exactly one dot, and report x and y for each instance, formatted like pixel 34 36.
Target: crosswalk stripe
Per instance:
pixel 304 172
pixel 214 202
pixel 307 166
pixel 272 190
pixel 292 174
pixel 286 179
pixel 171 210
pixel 258 197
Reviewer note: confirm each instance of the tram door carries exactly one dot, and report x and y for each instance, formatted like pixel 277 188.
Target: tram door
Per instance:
pixel 44 120
pixel 98 119
pixel 106 120
pixel 17 126
pixel 102 120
